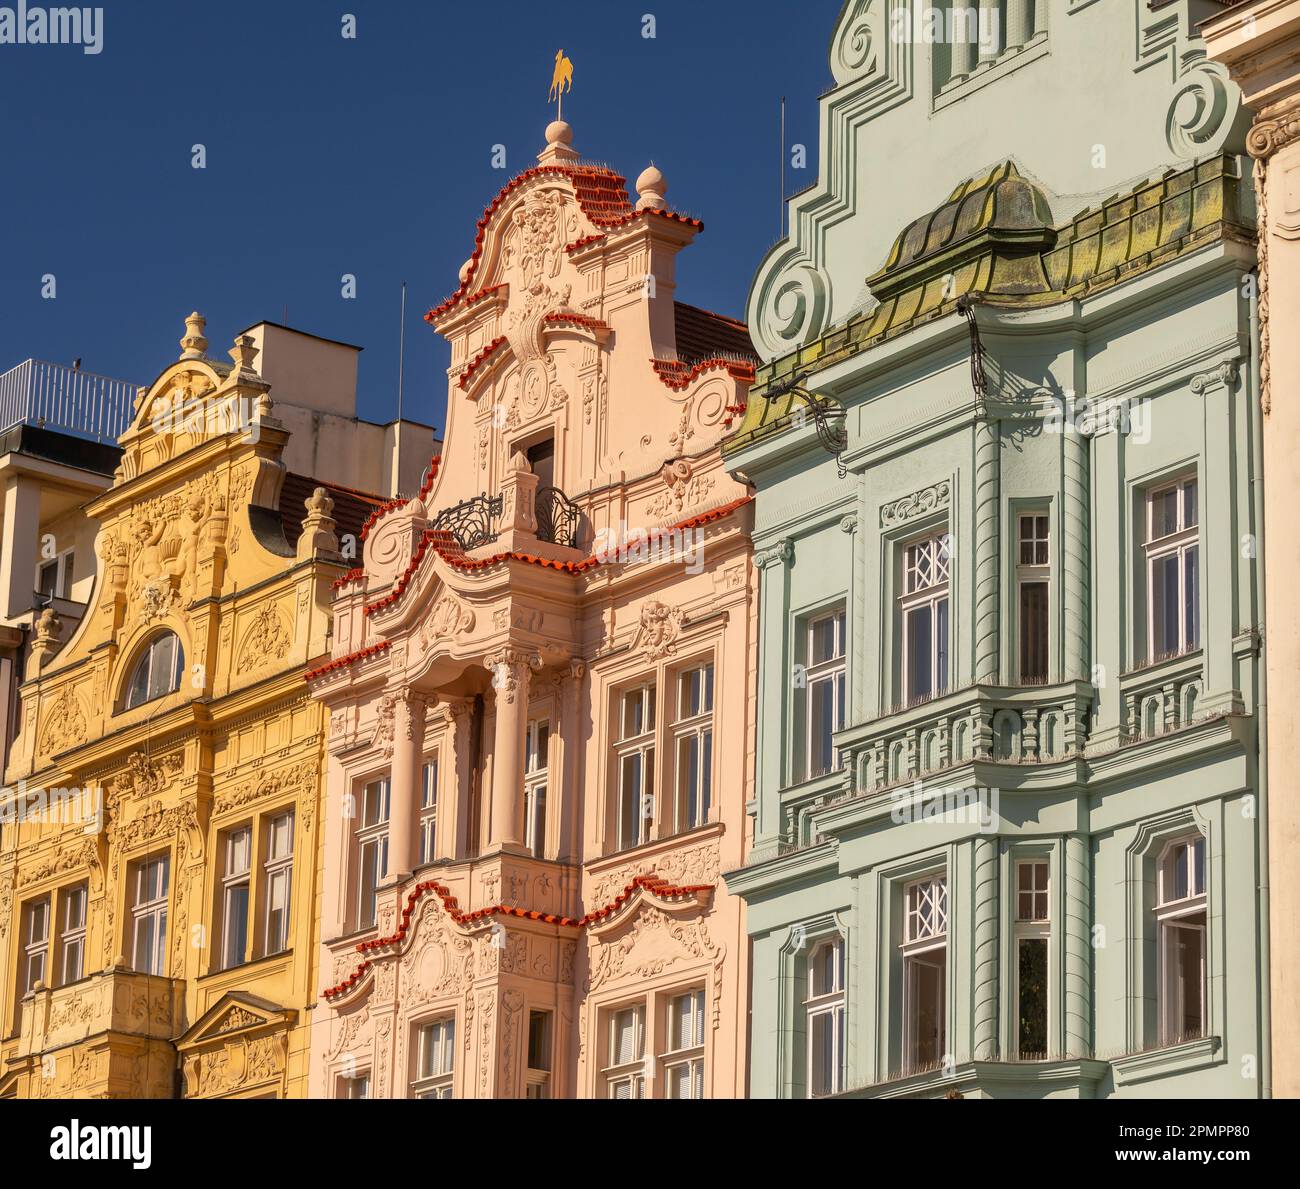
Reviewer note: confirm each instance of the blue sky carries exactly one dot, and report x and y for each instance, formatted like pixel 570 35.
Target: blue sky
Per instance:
pixel 371 156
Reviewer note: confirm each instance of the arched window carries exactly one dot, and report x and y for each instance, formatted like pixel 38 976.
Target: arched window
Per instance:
pixel 157 672
pixel 824 1007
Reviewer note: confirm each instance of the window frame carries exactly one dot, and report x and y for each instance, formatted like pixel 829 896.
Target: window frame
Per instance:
pixel 1179 914
pixel 643 747
pixel 366 837
pixel 918 949
pixel 688 1057
pixel 275 867
pixel 35 948
pixel 832 1004
pixel 915 598
pixel 1033 573
pixel 231 882
pixel 631 1073
pixel 72 938
pixel 144 660
pixel 833 671
pixel 63 568
pixel 1032 928
pixel 699 728
pixel 537 1078
pixel 1184 540
pixel 429 775
pixel 537 779
pixel 154 911
pixel 437 1083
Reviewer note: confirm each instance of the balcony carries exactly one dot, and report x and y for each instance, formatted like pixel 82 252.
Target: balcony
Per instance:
pixel 476 522
pixel 118 1000
pixel 51 396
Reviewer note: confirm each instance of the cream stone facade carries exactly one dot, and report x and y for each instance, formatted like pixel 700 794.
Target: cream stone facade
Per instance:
pixel 158 858
pixel 540 718
pixel 1259 42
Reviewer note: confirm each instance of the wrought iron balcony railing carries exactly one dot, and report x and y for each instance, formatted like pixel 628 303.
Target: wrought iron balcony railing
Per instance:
pixel 51 396
pixel 471 522
pixel 558 518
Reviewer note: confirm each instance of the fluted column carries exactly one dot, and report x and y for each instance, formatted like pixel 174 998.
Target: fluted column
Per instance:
pixel 571 677
pixel 987 917
pixel 1075 585
pixel 1078 946
pixel 964 49
pixel 404 802
pixel 1020 15
pixel 988 505
pixel 510 678
pixel 990 30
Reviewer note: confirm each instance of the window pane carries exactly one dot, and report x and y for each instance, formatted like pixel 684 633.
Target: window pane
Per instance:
pixel 1192 596
pixel 1033 631
pixel 1033 996
pixel 1190 510
pixel 1164 513
pixel 824 643
pixel 928 1009
pixel 539 1040
pixel 920 679
pixel 236 922
pixel 1198 867
pixel 821 695
pixel 630 806
pixel 821 1043
pixel 1164 605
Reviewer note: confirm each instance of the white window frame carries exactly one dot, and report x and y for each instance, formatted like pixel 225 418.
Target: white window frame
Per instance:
pixel 927 580
pixel 537 779
pixel 149 909
pixel 1177 913
pixel 72 936
pixel 36 943
pixel 693 727
pixel 826 1004
pixel 640 829
pixel 1180 543
pixel 62 563
pixel 277 872
pixel 355 1087
pixel 833 670
pixel 923 941
pixel 435 1058
pixel 630 1073
pixel 1032 927
pixel 429 810
pixel 688 1059
pixel 1033 573
pixel 148 661
pixel 372 836
pixel 237 873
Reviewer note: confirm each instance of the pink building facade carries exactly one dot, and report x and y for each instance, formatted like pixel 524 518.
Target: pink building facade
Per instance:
pixel 539 694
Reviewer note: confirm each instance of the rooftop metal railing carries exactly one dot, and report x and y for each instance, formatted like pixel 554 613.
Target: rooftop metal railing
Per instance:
pixel 52 396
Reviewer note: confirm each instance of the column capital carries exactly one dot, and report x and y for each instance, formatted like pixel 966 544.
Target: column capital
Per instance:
pixel 509 667
pixel 1225 374
pixel 779 553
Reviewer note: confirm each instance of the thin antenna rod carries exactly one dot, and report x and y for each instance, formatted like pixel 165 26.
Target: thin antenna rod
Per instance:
pixel 401 392
pixel 780 222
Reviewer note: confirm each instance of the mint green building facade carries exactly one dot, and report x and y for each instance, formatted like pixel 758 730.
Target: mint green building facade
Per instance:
pixel 1009 813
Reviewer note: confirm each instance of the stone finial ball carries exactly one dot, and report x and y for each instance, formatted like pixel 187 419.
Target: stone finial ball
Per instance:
pixel 559 132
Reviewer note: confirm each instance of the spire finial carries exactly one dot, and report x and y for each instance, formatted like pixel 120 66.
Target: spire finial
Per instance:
pixel 651 186
pixel 194 344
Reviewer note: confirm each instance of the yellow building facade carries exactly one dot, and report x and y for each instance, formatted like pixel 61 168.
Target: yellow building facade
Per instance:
pixel 158 824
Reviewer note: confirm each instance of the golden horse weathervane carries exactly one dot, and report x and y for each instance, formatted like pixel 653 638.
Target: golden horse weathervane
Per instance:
pixel 561 81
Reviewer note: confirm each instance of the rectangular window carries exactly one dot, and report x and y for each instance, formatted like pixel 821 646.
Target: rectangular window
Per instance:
pixel 683 1062
pixel 428 810
pixel 72 938
pixel 1033 573
pixel 825 651
pixel 925 972
pixel 234 896
pixel 927 568
pixel 1181 923
pixel 625 1055
pixel 435 1060
pixel 539 1054
pixel 1032 933
pixel 824 1009
pixel 278 876
pixel 36 943
pixel 372 850
pixel 635 757
pixel 693 746
pixel 149 914
pixel 1173 570
pixel 536 777
pixel 54 577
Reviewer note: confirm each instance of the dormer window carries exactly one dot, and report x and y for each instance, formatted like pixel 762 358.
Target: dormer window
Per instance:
pixel 157 673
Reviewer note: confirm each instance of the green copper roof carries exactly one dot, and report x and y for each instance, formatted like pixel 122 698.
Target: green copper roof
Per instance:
pixel 993 237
